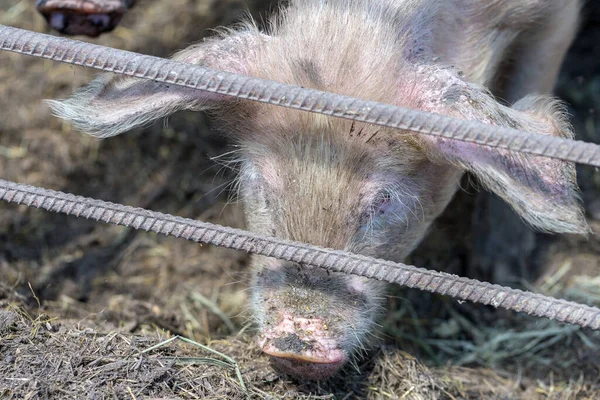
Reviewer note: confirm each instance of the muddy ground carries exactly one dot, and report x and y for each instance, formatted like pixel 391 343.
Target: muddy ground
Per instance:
pixel 82 304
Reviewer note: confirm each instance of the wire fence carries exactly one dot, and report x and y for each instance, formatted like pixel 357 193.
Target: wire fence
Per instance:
pixel 295 97
pixel 334 260
pixel 244 87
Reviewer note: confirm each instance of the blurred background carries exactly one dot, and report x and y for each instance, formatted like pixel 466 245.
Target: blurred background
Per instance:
pixel 78 276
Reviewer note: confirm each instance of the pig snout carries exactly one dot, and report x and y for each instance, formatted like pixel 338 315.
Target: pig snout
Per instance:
pixel 312 321
pixel 90 18
pixel 303 347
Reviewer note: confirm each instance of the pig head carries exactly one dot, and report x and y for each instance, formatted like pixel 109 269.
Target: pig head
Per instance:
pixel 348 185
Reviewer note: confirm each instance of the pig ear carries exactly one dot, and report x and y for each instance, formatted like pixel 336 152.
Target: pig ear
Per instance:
pixel 113 104
pixel 543 191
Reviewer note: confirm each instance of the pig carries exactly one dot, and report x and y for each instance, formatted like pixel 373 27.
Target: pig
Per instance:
pixel 83 17
pixel 354 186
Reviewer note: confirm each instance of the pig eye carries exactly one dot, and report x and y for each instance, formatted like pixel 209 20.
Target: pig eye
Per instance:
pixel 379 207
pixel 385 210
pixel 382 204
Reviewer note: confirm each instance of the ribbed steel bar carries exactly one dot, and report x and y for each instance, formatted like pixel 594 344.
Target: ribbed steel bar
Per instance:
pixel 334 260
pixel 265 91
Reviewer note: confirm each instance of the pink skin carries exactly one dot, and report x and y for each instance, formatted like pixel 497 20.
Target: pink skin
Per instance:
pixel 309 319
pixel 303 347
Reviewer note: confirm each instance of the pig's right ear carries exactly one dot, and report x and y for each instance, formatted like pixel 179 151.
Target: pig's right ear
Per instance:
pixel 543 191
pixel 113 104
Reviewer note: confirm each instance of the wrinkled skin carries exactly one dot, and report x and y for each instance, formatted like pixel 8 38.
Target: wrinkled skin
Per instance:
pixel 83 17
pixel 358 187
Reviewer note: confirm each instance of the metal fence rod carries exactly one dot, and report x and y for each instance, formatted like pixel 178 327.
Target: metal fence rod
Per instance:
pixel 295 97
pixel 334 260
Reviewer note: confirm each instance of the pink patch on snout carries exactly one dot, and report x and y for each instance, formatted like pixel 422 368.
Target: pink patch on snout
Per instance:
pixel 303 347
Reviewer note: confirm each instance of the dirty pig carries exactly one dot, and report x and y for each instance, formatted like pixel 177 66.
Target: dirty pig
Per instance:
pixel 353 186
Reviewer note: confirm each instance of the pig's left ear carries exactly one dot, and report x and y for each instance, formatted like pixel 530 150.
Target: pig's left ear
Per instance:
pixel 543 191
pixel 113 104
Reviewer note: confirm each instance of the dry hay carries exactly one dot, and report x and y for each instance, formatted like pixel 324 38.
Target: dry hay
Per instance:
pixel 45 357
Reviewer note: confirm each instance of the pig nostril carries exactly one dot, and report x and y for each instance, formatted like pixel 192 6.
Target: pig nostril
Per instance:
pixel 291 343
pixel 99 20
pixel 58 21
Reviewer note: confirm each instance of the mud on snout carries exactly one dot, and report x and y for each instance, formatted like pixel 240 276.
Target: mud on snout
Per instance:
pixel 312 322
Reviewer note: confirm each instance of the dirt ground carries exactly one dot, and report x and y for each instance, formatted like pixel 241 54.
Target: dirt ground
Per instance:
pixel 85 307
